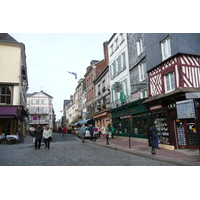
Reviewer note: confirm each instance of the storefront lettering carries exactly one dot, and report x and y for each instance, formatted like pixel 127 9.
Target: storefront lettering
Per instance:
pixel 155 107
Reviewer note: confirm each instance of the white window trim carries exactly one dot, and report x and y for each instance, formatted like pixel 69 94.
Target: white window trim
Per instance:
pixel 165 79
pixel 141 72
pixel 139 47
pixel 165 47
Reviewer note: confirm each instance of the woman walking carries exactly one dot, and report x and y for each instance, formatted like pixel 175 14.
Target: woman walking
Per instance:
pixel 47 134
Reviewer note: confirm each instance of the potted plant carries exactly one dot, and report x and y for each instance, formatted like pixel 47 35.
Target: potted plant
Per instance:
pixel 103 106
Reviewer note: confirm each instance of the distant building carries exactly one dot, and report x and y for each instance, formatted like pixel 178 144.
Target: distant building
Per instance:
pixel 40 108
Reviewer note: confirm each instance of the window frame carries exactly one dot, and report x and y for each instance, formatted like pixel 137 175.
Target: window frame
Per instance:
pixel 6 95
pixel 141 72
pixel 139 45
pixel 168 79
pixel 166 48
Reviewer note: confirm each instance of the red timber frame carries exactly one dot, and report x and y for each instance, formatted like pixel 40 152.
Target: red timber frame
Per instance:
pixel 186 70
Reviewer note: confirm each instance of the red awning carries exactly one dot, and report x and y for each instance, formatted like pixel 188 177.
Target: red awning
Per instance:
pixel 8 112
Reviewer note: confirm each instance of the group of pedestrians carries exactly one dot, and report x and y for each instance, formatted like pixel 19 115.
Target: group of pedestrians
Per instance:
pixel 95 132
pixel 45 133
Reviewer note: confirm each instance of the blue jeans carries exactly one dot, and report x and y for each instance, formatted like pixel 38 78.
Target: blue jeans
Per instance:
pixel 155 140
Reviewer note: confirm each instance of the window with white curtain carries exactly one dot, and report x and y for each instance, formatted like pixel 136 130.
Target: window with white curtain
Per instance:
pixel 169 82
pixel 165 48
pixel 139 47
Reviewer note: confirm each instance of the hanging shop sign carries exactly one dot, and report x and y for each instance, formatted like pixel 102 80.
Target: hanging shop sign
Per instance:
pixel 185 109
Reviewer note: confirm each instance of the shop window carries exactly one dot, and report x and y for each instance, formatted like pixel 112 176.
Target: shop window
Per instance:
pixel 162 129
pixel 5 94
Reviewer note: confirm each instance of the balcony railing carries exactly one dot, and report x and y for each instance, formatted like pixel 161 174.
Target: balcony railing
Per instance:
pixel 118 103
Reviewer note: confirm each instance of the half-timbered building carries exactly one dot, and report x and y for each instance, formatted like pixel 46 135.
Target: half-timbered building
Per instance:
pixel 174 92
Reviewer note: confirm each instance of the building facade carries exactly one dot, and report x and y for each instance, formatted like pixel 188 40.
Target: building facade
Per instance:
pixel 40 106
pixel 13 87
pixel 173 61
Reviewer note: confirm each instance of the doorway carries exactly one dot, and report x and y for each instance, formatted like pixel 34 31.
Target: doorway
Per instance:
pixel 186 134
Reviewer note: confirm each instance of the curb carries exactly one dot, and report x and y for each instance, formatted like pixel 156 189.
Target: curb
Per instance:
pixel 180 163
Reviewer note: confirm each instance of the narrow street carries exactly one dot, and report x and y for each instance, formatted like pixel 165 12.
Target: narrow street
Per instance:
pixel 70 151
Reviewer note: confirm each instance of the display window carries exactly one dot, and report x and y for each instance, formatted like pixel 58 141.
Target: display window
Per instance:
pixel 186 133
pixel 162 129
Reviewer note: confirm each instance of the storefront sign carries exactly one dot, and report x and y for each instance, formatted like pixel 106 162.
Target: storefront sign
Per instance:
pixel 6 116
pixel 127 116
pixel 195 95
pixel 185 109
pixel 155 107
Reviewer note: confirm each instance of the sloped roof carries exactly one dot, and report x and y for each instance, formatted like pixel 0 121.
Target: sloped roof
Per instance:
pixel 7 37
pixel 34 93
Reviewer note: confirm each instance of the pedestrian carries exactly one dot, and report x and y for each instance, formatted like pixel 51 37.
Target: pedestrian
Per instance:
pixel 38 136
pixel 96 132
pixel 103 130
pixel 112 130
pixel 64 130
pixel 82 132
pixel 47 133
pixel 153 133
pixel 91 129
pixel 107 134
pixel 59 130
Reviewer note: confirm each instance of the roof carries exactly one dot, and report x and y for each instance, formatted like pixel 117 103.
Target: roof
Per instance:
pixel 7 37
pixel 34 93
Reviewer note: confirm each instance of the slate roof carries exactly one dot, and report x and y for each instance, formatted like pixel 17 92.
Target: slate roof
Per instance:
pixel 7 37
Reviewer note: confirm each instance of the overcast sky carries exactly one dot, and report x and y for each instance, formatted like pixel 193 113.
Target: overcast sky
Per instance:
pixel 50 56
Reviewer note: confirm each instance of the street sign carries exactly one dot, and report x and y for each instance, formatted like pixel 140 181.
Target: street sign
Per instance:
pixel 35 118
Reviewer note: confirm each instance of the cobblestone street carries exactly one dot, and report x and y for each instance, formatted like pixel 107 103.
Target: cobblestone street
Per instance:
pixel 70 151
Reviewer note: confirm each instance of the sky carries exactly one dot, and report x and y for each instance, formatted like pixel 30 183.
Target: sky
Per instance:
pixel 49 57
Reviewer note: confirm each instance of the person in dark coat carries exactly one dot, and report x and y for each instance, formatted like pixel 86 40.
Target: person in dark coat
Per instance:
pixel 91 129
pixel 153 133
pixel 38 136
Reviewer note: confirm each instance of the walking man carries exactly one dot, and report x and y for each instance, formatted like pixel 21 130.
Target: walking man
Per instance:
pixel 91 129
pixel 153 133
pixel 38 136
pixel 82 131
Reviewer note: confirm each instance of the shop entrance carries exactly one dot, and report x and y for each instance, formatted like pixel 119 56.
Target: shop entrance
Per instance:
pixel 186 134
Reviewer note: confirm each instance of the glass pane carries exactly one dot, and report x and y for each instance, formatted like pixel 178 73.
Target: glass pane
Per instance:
pixel 8 100
pixel 3 90
pixel 3 99
pixel 172 81
pixel 9 90
pixel 192 132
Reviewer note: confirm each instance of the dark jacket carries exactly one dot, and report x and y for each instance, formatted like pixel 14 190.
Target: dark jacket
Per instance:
pixel 38 132
pixel 91 129
pixel 152 130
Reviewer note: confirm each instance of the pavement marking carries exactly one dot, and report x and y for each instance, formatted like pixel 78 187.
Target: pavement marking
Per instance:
pixel 77 139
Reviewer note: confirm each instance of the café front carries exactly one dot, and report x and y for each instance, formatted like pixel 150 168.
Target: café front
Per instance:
pixel 131 120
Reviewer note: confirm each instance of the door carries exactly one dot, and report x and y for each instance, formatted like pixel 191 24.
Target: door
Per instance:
pixel 186 134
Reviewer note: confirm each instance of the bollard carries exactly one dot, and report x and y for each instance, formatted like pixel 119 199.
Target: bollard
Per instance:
pixel 153 152
pixel 107 139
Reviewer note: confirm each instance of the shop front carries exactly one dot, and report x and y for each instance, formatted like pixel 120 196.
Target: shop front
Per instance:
pixel 102 118
pixel 131 120
pixel 12 122
pixel 176 120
